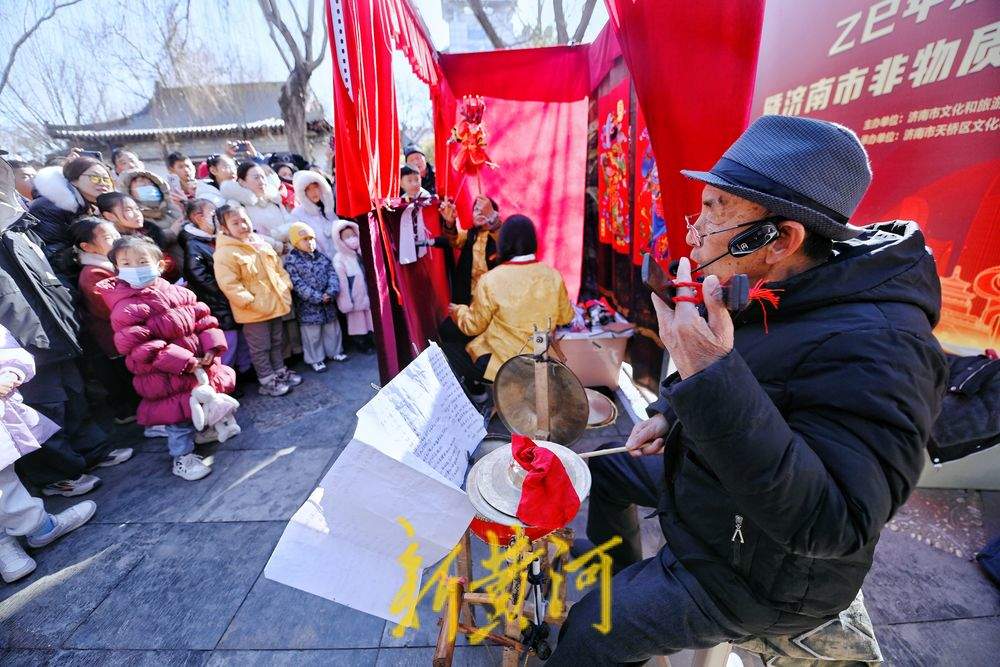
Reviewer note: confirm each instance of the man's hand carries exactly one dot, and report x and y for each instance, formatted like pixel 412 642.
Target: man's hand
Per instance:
pixel 693 343
pixel 327 298
pixel 647 436
pixel 453 311
pixel 447 209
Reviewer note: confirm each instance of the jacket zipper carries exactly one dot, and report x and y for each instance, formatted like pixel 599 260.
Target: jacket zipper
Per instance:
pixel 737 534
pixel 971 375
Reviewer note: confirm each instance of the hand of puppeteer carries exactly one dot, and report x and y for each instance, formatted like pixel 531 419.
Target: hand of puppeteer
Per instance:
pixel 693 343
pixel 647 436
pixel 447 210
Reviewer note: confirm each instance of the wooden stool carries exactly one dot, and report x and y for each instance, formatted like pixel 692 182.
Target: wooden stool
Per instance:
pixel 513 648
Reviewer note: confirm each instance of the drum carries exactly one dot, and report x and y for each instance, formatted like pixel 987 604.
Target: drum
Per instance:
pixel 494 489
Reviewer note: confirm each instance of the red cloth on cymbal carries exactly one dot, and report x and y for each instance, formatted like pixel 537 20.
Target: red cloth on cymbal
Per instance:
pixel 548 499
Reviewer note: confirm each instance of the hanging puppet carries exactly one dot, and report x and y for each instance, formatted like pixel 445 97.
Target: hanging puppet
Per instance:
pixel 472 138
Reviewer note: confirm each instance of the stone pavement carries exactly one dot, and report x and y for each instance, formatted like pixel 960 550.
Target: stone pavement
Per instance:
pixel 169 572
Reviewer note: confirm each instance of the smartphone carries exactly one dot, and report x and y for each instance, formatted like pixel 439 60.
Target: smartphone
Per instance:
pixel 656 280
pixel 94 154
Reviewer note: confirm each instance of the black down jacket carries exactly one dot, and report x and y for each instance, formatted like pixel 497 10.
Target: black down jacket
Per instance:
pixel 34 305
pixel 786 458
pixel 199 273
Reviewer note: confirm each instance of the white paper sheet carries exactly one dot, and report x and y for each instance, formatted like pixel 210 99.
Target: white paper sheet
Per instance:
pixel 408 459
pixel 425 412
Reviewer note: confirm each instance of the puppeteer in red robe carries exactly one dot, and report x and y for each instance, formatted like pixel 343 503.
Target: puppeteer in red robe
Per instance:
pixel 410 224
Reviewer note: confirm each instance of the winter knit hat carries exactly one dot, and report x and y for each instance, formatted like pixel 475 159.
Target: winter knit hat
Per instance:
pixel 298 231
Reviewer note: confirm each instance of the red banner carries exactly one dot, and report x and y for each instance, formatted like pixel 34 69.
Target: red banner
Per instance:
pixel 649 222
pixel 917 80
pixel 613 168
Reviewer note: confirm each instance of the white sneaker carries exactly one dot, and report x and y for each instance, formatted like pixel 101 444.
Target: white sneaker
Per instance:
pixel 319 367
pixel 273 387
pixel 14 563
pixel 340 357
pixel 289 377
pixel 190 467
pixel 115 456
pixel 72 487
pixel 158 431
pixel 66 521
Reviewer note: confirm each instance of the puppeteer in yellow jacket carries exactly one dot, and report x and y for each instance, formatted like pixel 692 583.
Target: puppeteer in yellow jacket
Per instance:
pixel 509 303
pixel 252 277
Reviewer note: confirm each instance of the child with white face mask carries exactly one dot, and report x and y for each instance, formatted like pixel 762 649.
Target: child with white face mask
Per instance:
pixel 353 297
pixel 165 334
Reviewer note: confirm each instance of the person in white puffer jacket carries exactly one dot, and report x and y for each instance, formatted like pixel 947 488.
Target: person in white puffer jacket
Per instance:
pixel 256 188
pixel 314 206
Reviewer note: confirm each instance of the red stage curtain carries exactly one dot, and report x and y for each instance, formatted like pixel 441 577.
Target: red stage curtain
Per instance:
pixel 366 126
pixel 536 115
pixel 693 66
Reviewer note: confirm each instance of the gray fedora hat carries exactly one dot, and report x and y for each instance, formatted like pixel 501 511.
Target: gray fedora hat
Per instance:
pixel 810 171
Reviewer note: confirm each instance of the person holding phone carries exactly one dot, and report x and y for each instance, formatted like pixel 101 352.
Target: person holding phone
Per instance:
pixel 788 437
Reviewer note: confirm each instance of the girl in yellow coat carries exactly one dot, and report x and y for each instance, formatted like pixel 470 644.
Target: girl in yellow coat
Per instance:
pixel 508 304
pixel 259 290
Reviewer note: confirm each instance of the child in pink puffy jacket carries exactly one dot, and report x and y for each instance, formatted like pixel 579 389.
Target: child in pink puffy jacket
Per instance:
pixel 165 333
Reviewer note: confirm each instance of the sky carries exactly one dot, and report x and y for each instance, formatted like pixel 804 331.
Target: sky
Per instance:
pixel 235 28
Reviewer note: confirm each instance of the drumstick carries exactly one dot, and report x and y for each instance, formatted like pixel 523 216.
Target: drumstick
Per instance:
pixel 603 452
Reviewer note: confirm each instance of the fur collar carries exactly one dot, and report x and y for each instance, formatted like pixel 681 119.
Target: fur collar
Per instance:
pixel 193 230
pixel 94 259
pixel 51 184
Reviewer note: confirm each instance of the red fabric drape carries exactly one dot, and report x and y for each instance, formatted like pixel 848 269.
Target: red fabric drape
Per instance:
pixel 693 67
pixel 409 35
pixel 536 114
pixel 367 140
pixel 602 54
pixel 365 119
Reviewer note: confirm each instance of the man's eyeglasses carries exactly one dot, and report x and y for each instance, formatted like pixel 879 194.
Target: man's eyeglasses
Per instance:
pixel 692 219
pixel 97 179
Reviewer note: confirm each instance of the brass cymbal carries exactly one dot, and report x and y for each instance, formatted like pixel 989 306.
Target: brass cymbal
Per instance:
pixel 602 409
pixel 515 400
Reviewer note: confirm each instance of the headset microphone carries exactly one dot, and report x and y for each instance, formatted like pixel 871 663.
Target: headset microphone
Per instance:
pixel 748 242
pixel 736 293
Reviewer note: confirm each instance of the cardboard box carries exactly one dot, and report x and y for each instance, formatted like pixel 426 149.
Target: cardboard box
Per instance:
pixel 596 358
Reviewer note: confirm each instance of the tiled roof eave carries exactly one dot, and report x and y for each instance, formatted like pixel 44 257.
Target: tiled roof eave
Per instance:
pixel 271 125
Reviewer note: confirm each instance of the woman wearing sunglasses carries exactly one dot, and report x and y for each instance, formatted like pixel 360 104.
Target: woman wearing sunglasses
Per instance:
pixel 65 194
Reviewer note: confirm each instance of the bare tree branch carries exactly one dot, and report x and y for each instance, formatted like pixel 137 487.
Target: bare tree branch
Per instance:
pixel 484 21
pixel 295 91
pixel 273 17
pixel 562 35
pixel 56 6
pixel 281 49
pixel 298 19
pixel 585 16
pixel 323 44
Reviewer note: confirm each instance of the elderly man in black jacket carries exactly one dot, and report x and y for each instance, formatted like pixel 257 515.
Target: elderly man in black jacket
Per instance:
pixel 788 436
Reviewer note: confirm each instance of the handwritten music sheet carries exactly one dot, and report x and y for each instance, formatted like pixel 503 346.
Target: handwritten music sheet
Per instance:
pixel 424 411
pixel 408 459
